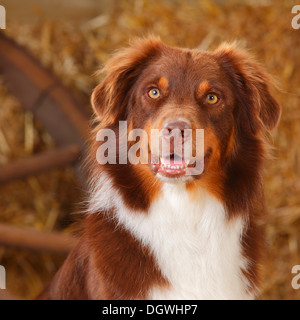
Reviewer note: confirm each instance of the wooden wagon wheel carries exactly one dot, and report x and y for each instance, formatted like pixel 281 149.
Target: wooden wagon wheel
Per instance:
pixel 54 106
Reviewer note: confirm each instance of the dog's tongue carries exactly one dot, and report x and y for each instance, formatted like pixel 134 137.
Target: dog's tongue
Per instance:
pixel 171 166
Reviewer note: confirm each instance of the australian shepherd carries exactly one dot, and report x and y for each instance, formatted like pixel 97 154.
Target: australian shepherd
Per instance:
pixel 165 220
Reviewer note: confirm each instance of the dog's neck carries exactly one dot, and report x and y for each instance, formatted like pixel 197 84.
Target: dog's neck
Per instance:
pixel 197 247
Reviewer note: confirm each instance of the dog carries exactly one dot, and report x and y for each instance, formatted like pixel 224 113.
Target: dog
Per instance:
pixel 156 230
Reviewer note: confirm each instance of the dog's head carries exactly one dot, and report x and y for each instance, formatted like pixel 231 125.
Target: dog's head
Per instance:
pixel 177 91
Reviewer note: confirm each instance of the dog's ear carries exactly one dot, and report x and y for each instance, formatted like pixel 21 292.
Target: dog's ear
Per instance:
pixel 252 87
pixel 110 97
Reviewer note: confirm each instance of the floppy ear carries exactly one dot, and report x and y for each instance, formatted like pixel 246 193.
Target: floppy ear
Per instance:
pixel 110 97
pixel 252 86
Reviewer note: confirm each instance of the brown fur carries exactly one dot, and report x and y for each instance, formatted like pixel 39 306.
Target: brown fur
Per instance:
pixel 109 263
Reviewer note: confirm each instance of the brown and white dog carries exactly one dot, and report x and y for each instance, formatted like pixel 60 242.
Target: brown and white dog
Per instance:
pixel 152 231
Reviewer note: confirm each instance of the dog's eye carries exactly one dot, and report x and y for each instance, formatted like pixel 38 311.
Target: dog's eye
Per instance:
pixel 154 94
pixel 211 98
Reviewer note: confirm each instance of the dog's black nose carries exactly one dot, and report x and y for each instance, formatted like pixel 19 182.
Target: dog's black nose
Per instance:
pixel 176 128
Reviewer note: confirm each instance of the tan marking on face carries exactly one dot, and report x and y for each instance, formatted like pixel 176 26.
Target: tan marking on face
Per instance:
pixel 203 87
pixel 212 179
pixel 163 83
pixel 151 184
pixel 231 144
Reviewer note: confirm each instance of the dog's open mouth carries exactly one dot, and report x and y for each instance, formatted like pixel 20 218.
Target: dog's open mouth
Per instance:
pixel 173 166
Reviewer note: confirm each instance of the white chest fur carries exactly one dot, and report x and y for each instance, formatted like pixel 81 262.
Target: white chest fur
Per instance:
pixel 197 249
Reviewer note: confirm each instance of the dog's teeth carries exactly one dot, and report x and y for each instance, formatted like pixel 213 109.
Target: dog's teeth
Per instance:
pixel 165 163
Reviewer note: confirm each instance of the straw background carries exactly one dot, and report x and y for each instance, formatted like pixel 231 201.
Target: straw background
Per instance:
pixel 74 41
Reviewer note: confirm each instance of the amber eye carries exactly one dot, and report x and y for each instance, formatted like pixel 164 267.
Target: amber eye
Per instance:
pixel 211 98
pixel 154 94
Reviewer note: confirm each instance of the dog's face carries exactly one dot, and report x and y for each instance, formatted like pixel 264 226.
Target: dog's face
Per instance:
pixel 178 91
